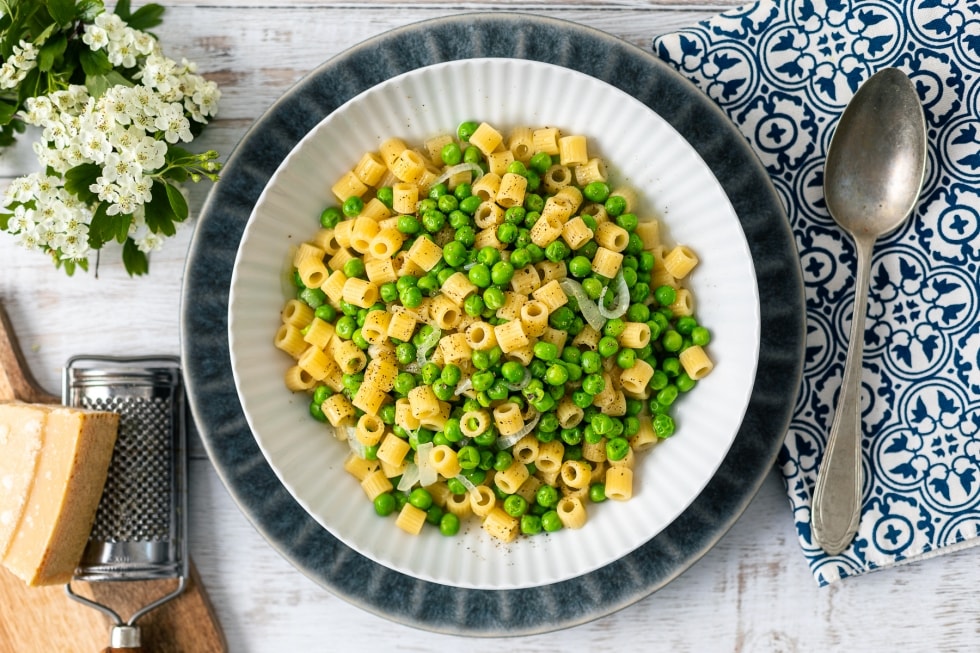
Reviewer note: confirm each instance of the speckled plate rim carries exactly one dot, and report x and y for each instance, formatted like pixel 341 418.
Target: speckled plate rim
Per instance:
pixel 254 485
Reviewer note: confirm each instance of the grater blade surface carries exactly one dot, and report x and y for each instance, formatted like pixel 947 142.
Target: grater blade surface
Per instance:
pixel 139 529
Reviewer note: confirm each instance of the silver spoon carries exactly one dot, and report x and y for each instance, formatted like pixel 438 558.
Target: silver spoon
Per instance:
pixel 873 175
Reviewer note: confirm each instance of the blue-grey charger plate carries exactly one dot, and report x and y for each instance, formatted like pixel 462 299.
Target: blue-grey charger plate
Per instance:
pixel 254 485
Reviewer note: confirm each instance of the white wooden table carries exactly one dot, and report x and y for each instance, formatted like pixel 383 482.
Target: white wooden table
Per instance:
pixel 752 592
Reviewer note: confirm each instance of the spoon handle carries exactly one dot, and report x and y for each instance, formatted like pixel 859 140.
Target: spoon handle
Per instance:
pixel 836 508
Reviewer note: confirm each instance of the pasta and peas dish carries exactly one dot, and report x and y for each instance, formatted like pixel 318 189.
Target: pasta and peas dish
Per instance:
pixel 491 329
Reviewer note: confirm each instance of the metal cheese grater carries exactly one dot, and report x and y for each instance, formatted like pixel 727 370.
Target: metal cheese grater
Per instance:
pixel 140 525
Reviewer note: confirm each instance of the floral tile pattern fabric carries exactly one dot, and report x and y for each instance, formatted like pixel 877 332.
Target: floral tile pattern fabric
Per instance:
pixel 784 70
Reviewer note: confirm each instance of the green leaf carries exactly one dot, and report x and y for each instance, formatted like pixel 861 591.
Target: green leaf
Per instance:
pixel 146 17
pixel 7 112
pixel 123 9
pixel 97 85
pixel 89 9
pixel 94 62
pixel 136 262
pixel 177 202
pixel 30 86
pixel 50 52
pixel 62 11
pixel 105 227
pixel 158 212
pixel 5 220
pixel 78 180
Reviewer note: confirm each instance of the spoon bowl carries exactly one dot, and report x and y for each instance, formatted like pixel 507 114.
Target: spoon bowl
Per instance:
pixel 872 179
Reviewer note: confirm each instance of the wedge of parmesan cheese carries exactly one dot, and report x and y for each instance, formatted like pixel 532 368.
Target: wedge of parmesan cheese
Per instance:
pixel 21 432
pixel 59 506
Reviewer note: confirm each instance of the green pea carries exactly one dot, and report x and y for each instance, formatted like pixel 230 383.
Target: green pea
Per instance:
pixel 557 250
pixel 627 221
pixel 501 273
pixel 313 297
pixel 667 396
pixel 530 524
pixel 640 291
pixel 316 411
pixel 546 496
pixel 546 351
pixel 593 384
pixel 534 203
pixel 580 266
pixel 387 414
pixel 672 341
pixel 354 268
pixel 345 327
pixel 465 235
pixel 472 154
pixel 700 336
pixel 331 217
pixel 452 430
pixel 512 371
pixel 515 505
pixel 407 224
pixel 519 258
pixel 430 372
pixel 386 195
pixel 507 233
pixel 466 129
pixel 592 287
pixel 665 295
pixel 428 284
pixel 515 215
pixel 561 318
pixel 482 380
pixel 404 383
pixel 597 492
pixel 493 297
pixel 473 305
pixel 358 339
pixel 384 504
pixel 451 154
pixel 596 191
pixel 479 275
pixel 353 206
pixel 684 382
pixel 420 498
pixel 615 205
pixel 433 220
pixel 663 426
pixel 411 297
pixel 326 312
pixel 449 524
pixel 591 362
pixel 638 313
pixel 556 375
pixel 540 162
pixel 626 358
pixel 617 448
pixel 551 522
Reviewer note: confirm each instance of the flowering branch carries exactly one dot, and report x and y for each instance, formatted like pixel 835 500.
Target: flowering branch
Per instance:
pixel 112 111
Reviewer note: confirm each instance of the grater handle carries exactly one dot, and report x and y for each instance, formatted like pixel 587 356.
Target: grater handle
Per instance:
pixel 124 638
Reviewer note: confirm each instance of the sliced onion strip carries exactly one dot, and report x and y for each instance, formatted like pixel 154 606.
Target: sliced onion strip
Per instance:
pixel 622 298
pixel 427 472
pixel 428 343
pixel 458 168
pixel 588 307
pixel 409 477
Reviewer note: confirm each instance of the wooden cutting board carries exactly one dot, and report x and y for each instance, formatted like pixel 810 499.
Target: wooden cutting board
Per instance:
pixel 46 620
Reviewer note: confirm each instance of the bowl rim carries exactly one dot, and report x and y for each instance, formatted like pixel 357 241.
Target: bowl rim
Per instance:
pixel 307 546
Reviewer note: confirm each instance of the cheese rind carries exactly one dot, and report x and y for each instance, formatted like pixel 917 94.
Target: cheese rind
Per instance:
pixel 69 477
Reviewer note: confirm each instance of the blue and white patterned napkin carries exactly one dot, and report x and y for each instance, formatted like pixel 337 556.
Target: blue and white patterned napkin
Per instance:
pixel 783 70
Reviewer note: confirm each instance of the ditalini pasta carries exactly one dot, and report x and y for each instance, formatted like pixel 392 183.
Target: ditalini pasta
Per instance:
pixel 491 330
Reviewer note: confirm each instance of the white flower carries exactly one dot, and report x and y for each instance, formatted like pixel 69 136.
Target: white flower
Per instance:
pixel 95 37
pixel 173 124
